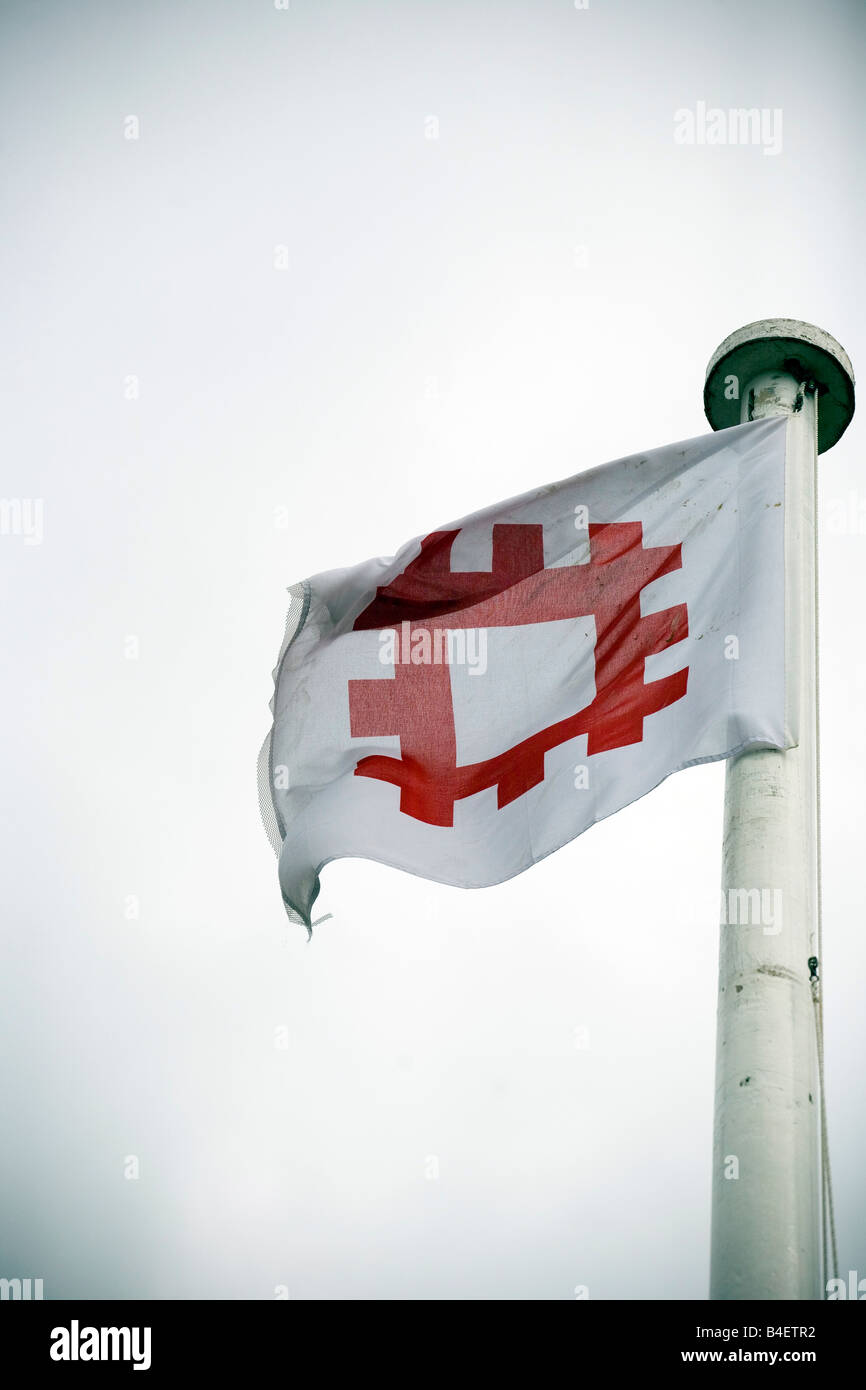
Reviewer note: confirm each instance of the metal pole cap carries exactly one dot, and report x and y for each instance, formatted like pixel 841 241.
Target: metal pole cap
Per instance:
pixel 782 345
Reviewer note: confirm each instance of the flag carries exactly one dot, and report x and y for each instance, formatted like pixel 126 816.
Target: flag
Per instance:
pixel 465 708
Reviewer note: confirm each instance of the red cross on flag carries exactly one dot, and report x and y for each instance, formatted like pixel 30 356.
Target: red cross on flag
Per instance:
pixel 467 707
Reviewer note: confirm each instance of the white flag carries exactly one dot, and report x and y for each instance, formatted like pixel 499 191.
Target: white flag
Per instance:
pixel 467 707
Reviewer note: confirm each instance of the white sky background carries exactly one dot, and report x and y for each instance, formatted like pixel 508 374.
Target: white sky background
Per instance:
pixel 434 345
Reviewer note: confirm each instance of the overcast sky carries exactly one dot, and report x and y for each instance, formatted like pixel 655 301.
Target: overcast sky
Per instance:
pixel 284 288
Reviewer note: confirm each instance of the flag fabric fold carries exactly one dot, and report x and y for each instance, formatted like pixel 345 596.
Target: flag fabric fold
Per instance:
pixel 477 701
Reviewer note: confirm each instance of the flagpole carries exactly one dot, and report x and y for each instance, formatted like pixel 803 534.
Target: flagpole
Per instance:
pixel 767 1189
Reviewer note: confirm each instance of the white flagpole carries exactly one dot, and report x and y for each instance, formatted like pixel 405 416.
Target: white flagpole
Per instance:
pixel 766 1209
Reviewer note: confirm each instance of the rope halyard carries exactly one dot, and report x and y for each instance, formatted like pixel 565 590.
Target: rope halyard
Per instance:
pixel 828 1217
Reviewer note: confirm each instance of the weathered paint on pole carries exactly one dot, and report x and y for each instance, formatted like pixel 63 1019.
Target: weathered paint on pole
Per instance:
pixel 766 1204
